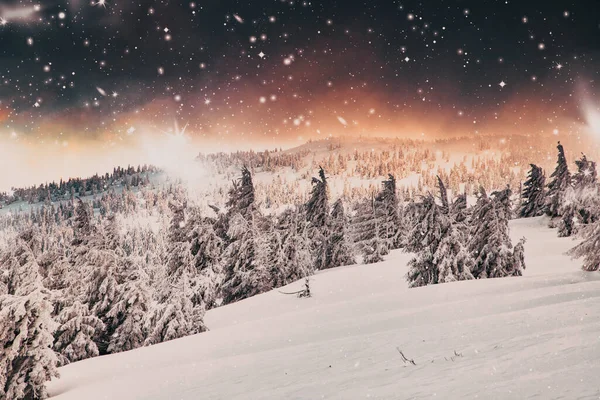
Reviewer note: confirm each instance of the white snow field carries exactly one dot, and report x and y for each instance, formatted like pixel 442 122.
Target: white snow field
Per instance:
pixel 536 336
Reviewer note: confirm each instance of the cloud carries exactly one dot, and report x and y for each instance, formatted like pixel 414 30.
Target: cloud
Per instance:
pixel 19 15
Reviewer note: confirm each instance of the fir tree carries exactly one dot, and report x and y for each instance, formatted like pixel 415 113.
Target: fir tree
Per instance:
pixel 290 256
pixel 27 360
pixel 244 276
pixel 561 179
pixel 181 273
pixel 443 195
pixel 589 249
pixel 175 317
pixel 241 196
pixel 77 333
pixel 490 243
pixel 206 248
pixel 424 239
pixel 339 249
pixel 317 215
pixel 366 233
pixel 586 174
pixel 441 254
pixel 317 207
pixel 83 222
pixel 129 312
pixel 534 197
pixel 387 210
pixel 566 224
pixel 584 200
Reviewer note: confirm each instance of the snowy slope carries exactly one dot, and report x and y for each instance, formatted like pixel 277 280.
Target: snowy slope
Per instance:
pixel 535 336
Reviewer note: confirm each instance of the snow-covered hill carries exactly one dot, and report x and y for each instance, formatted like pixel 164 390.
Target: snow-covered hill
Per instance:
pixel 536 336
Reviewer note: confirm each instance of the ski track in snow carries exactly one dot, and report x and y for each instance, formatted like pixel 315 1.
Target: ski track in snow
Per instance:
pixel 536 336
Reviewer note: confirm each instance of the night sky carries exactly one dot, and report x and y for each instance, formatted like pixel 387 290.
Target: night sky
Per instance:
pixel 278 71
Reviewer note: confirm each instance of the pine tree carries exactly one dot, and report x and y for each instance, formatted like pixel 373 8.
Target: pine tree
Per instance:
pixel 339 249
pixel 317 207
pixel 490 243
pixel 566 224
pixel 206 248
pixel 589 249
pixel 244 276
pixel 27 360
pixel 387 210
pixel 443 195
pixel 289 254
pixel 83 222
pixel 129 312
pixel 181 275
pixel 452 258
pixel 439 243
pixel 424 240
pixel 77 333
pixel 584 200
pixel 241 196
pixel 366 233
pixel 586 174
pixel 561 179
pixel 534 197
pixel 101 262
pixel 317 215
pixel 175 317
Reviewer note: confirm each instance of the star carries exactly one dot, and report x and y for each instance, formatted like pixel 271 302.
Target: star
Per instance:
pixel 3 22
pixel 406 59
pixel 100 3
pixel 115 94
pixel 261 54
pixel 559 66
pixel 207 101
pixel 502 84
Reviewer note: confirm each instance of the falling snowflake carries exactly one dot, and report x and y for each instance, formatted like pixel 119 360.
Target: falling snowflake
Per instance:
pixel 238 18
pixel 342 121
pixel 101 91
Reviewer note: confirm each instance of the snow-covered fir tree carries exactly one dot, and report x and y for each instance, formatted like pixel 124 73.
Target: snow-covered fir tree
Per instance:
pixel 339 247
pixel 443 195
pixel 243 273
pixel 387 208
pixel 206 248
pixel 317 215
pixel 102 266
pixel 561 180
pixel 533 196
pixel 589 249
pixel 566 224
pixel 241 196
pixel 77 333
pixel 584 199
pixel 181 277
pixel 175 317
pixel 129 311
pixel 289 258
pixel 490 243
pixel 586 174
pixel 424 240
pixel 439 240
pixel 27 359
pixel 366 233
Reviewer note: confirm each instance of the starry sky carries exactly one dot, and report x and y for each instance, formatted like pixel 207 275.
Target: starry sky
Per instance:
pixel 283 71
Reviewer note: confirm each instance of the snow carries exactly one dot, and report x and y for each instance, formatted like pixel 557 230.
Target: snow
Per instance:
pixel 534 336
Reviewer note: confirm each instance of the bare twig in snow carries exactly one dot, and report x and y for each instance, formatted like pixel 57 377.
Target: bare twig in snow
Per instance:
pixel 404 358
